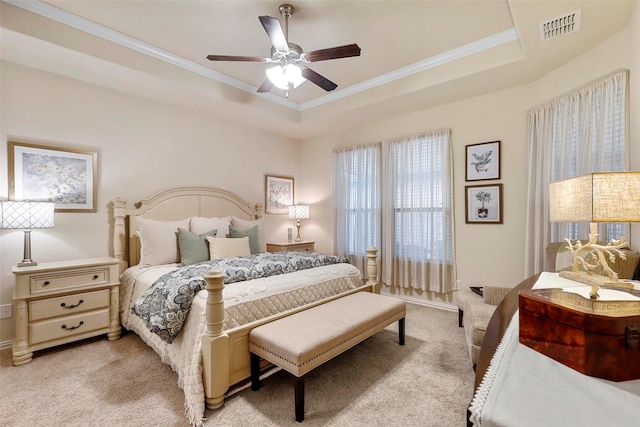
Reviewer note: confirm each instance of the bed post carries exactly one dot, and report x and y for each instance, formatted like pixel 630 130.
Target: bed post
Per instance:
pixel 215 343
pixel 120 232
pixel 372 269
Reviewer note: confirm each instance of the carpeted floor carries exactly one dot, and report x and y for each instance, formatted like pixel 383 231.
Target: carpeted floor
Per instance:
pixel 428 382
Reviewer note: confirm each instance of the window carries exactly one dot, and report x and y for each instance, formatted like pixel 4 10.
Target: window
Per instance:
pixel 397 196
pixel 356 196
pixel 583 132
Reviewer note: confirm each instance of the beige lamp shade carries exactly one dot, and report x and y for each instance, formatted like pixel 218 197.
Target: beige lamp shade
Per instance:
pixel 596 197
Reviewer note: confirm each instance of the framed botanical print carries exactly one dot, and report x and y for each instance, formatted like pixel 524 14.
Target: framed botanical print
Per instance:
pixel 483 204
pixel 482 161
pixel 278 194
pixel 64 176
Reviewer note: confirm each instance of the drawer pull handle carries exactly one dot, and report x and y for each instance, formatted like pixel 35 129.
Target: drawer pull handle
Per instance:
pixel 71 328
pixel 63 305
pixel 46 282
pixel 95 277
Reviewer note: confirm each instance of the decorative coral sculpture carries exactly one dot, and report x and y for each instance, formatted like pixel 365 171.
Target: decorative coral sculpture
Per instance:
pixel 592 254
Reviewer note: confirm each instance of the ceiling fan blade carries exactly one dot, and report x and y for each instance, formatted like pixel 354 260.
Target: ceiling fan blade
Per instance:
pixel 274 30
pixel 316 78
pixel 236 58
pixel 266 86
pixel 334 53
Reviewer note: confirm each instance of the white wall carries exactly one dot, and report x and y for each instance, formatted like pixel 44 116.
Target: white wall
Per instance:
pixel 487 254
pixel 143 147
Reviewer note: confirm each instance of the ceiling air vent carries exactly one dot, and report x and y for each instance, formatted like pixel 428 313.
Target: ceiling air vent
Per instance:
pixel 560 26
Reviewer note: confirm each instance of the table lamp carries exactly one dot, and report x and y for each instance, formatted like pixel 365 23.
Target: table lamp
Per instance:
pixel 26 215
pixel 593 198
pixel 298 212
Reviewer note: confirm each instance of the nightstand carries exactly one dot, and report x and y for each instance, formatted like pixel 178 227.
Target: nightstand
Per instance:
pixel 60 302
pixel 304 246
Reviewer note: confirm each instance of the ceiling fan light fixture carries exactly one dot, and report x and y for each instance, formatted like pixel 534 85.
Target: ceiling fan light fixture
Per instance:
pixel 294 75
pixel 291 69
pixel 283 76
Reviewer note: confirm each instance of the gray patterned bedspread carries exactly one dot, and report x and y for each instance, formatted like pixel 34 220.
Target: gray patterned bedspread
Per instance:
pixel 165 305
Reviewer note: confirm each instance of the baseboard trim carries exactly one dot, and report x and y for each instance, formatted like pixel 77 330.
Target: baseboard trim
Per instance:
pixel 432 304
pixel 5 345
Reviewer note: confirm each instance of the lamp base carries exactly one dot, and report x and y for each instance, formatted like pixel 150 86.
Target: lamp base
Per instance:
pixel 592 279
pixel 27 263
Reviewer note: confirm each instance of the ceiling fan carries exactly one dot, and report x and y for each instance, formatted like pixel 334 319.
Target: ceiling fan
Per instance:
pixel 290 69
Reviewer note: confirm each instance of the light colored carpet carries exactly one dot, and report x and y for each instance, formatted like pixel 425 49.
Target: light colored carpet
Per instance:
pixel 428 382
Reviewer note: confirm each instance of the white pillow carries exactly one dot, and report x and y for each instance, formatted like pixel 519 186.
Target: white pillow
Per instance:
pixel 202 225
pixel 159 240
pixel 220 247
pixel 246 225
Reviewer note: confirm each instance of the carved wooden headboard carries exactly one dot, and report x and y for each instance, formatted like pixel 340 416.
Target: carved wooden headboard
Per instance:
pixel 170 205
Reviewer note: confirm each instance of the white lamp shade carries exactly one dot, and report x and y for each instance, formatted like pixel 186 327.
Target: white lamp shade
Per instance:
pixel 281 76
pixel 26 214
pixel 298 211
pixel 596 197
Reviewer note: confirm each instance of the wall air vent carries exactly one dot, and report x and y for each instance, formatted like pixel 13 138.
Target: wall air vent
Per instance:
pixel 560 26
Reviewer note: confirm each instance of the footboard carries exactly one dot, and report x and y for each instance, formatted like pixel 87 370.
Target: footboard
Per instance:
pixel 225 354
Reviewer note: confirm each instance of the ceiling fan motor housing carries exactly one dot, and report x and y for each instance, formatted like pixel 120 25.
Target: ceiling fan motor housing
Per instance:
pixel 295 54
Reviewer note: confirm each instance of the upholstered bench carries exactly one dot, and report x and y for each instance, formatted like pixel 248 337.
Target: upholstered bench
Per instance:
pixel 305 340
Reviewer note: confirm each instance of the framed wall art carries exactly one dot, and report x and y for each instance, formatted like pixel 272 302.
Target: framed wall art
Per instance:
pixel 64 176
pixel 483 204
pixel 278 194
pixel 483 161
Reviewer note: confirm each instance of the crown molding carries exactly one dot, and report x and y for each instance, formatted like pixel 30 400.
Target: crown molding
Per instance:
pixel 46 10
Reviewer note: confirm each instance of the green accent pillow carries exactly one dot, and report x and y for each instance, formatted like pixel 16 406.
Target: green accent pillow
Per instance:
pixel 193 247
pixel 252 233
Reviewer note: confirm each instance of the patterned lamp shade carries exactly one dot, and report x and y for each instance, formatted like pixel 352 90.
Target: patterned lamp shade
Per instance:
pixel 298 212
pixel 26 215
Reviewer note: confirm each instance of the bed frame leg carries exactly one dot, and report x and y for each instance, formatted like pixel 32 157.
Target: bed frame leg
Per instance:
pixel 299 398
pixel 401 331
pixel 255 372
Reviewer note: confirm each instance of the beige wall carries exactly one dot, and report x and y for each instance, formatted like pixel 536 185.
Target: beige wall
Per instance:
pixel 137 138
pixel 486 254
pixel 143 147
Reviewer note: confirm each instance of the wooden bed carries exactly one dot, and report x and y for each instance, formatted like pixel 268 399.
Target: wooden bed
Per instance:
pixel 225 354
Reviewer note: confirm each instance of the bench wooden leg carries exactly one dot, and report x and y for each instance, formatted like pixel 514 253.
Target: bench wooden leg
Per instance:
pixel 299 392
pixel 401 331
pixel 255 372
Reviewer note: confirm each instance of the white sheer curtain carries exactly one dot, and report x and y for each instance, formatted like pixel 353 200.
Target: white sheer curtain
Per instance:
pixel 356 202
pixel 582 132
pixel 417 232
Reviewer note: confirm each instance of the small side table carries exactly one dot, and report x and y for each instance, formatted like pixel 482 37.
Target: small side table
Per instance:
pixel 60 302
pixel 304 246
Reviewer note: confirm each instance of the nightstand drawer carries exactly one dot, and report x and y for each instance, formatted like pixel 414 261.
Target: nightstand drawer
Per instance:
pixel 304 246
pixel 68 326
pixel 68 304
pixel 69 280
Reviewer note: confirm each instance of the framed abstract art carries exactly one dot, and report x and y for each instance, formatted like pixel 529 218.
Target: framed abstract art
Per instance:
pixel 64 176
